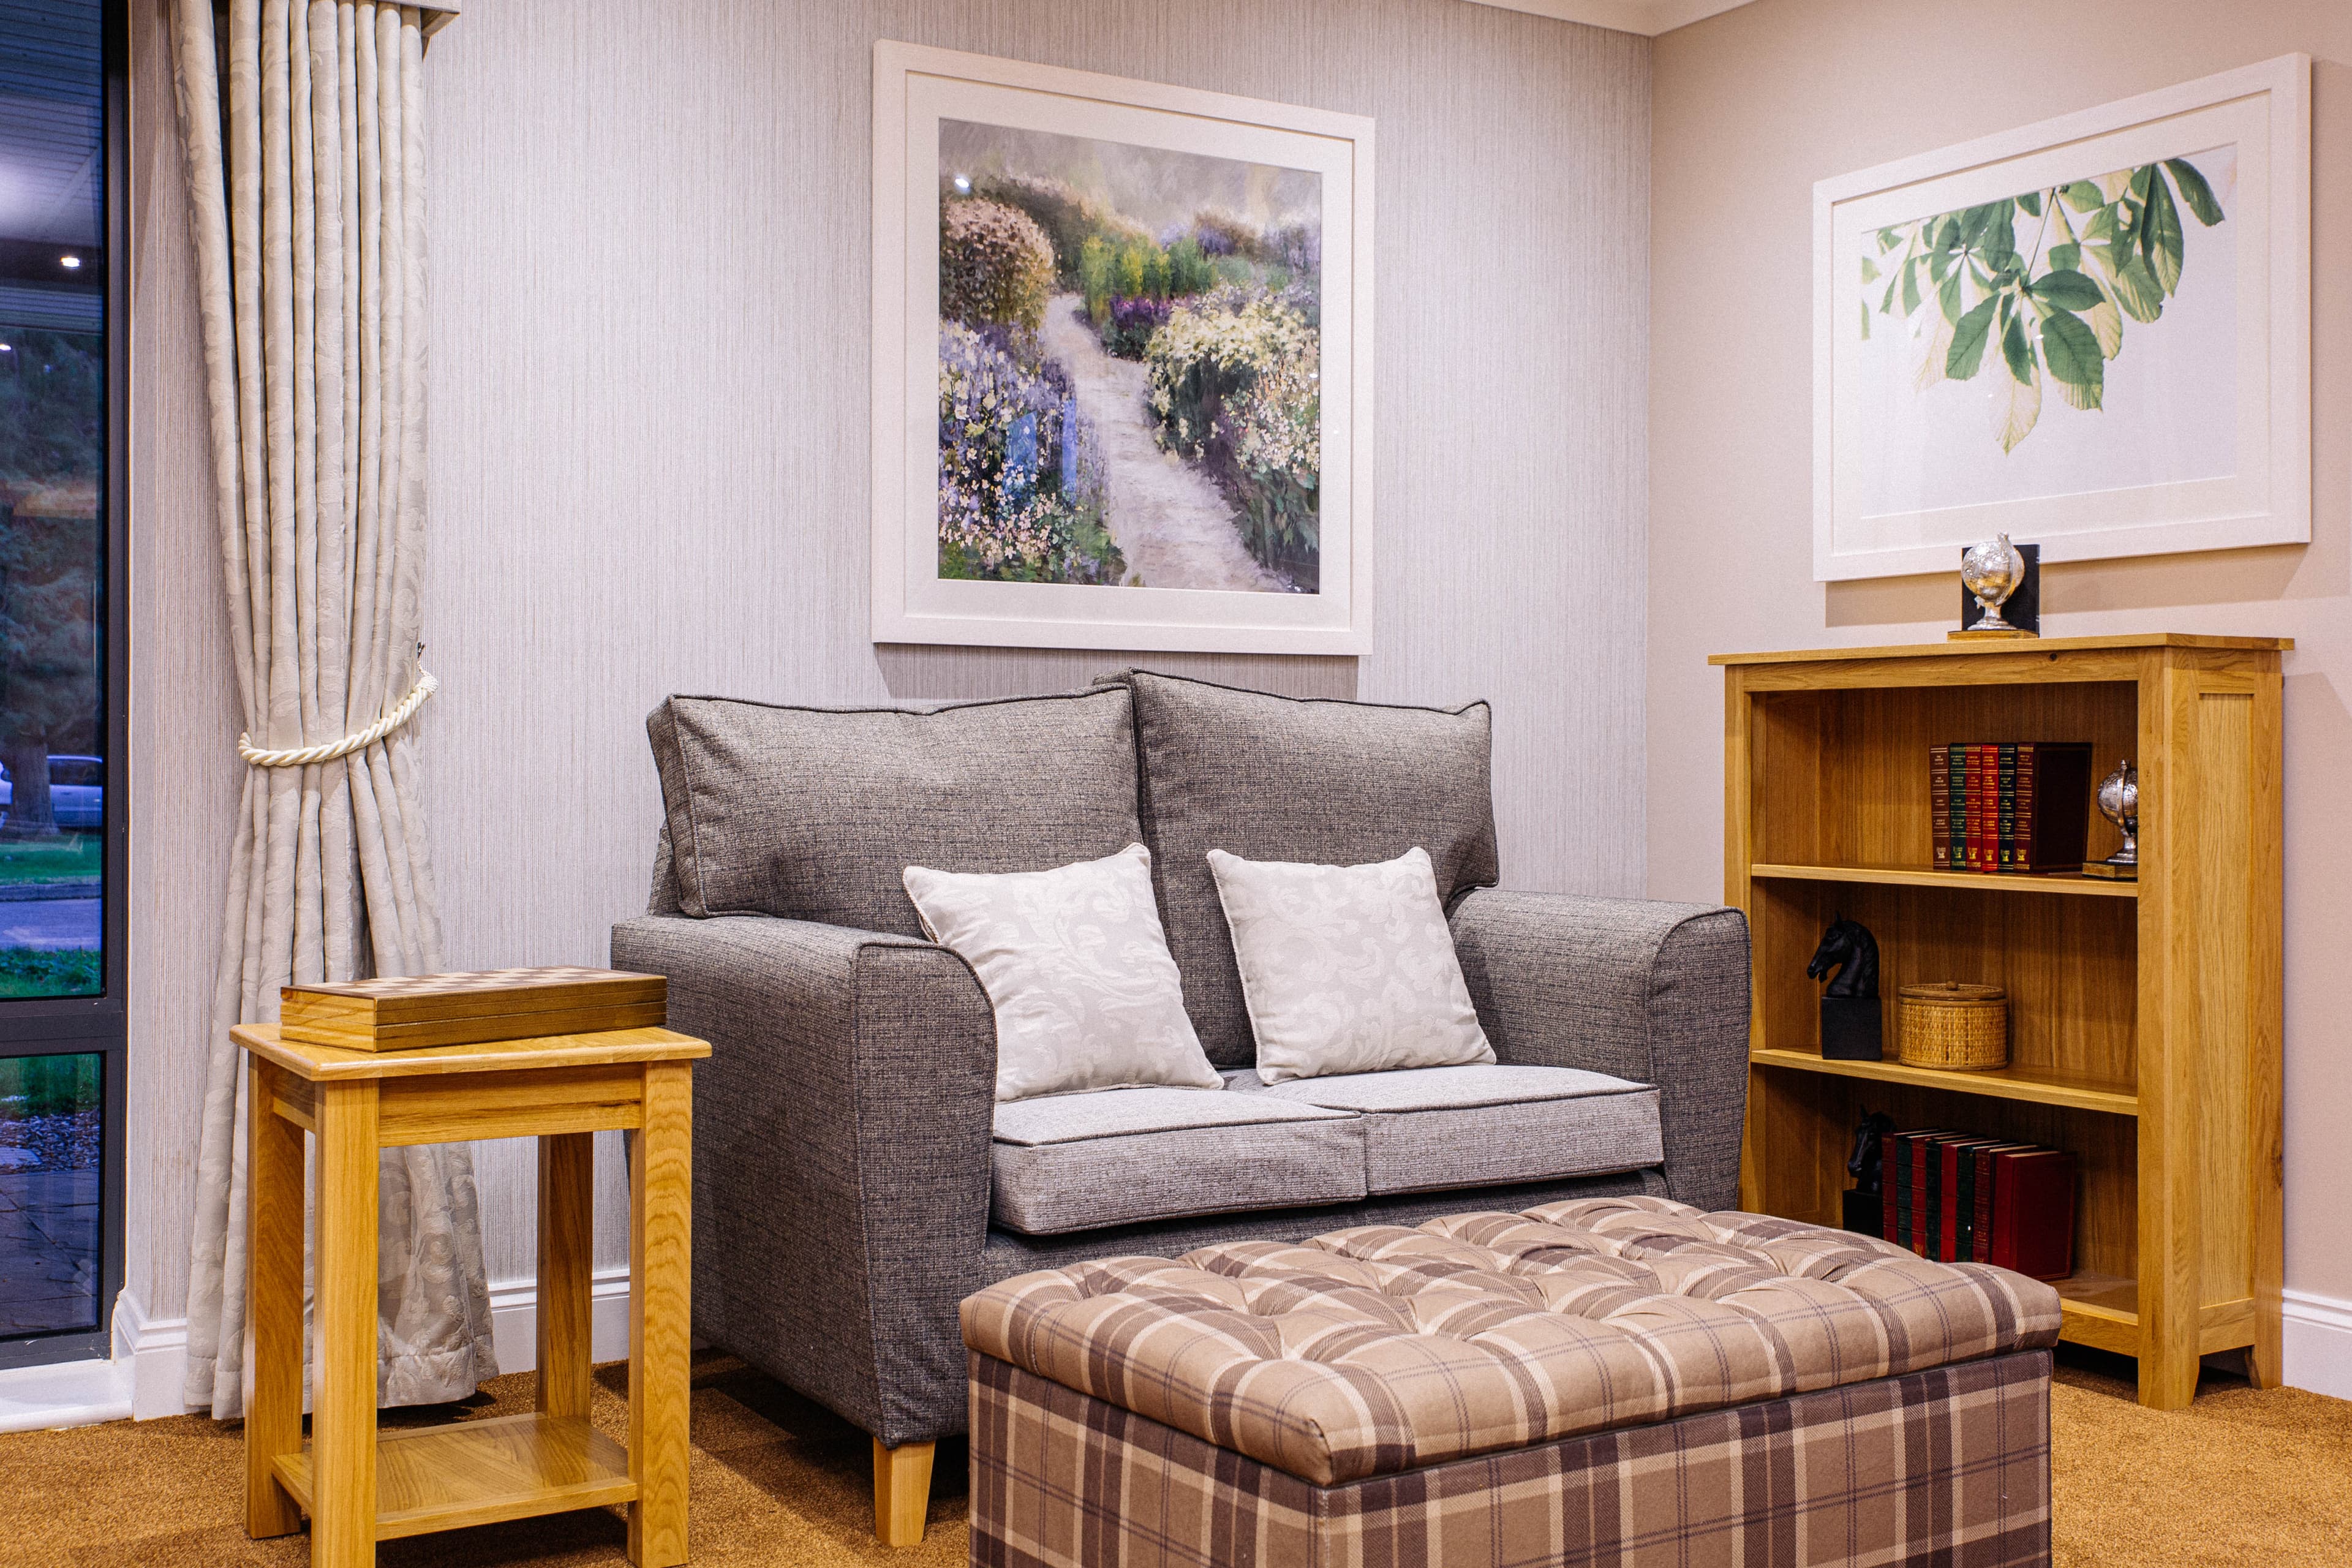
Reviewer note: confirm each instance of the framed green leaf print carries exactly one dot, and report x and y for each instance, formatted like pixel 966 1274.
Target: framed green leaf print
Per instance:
pixel 2093 332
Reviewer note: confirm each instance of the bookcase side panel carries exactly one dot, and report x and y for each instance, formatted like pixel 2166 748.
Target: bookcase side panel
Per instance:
pixel 2223 882
pixel 2265 1109
pixel 2171 1210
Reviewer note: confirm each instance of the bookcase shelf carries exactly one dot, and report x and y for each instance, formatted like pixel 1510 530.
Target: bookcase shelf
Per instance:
pixel 2144 1016
pixel 2100 1311
pixel 1970 881
pixel 2038 1086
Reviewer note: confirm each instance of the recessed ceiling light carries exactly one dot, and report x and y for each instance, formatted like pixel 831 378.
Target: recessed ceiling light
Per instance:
pixel 963 184
pixel 69 261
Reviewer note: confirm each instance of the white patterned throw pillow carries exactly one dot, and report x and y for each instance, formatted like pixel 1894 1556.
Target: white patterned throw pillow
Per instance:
pixel 1076 967
pixel 1347 968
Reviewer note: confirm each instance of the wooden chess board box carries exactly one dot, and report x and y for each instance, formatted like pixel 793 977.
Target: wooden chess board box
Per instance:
pixel 401 1013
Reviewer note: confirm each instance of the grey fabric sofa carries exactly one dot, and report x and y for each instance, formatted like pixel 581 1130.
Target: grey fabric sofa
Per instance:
pixel 848 1148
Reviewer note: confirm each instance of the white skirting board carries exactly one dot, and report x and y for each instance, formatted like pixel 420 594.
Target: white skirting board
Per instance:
pixel 2319 1343
pixel 66 1394
pixel 514 1319
pixel 154 1355
pixel 151 1355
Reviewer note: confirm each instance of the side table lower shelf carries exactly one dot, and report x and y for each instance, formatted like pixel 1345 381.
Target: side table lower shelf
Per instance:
pixel 479 1472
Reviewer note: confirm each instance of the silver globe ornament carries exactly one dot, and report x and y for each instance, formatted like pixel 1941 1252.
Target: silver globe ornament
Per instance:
pixel 1992 572
pixel 2119 804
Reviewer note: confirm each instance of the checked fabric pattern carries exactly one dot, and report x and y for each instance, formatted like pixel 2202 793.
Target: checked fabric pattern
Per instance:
pixel 1380 1349
pixel 1947 1466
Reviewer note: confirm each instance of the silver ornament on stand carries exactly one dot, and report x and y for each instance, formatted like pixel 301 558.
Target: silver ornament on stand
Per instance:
pixel 1992 572
pixel 2118 800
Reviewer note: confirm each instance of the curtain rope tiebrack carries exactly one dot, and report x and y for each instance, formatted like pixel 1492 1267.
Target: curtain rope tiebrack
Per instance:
pixel 358 739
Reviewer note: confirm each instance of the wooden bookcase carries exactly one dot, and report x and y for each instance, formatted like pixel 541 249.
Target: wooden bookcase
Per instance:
pixel 2145 1016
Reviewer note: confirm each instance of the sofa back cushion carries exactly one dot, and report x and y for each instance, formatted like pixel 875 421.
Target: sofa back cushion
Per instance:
pixel 812 813
pixel 1282 778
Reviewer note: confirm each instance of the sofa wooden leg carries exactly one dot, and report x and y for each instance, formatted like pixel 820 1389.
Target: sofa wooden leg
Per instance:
pixel 902 1492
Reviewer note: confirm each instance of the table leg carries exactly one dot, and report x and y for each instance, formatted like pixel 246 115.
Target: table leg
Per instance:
pixel 566 1256
pixel 661 1174
pixel 343 1384
pixel 273 1302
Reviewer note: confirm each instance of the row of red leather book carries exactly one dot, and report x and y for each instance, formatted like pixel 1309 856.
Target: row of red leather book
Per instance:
pixel 2008 807
pixel 1958 1197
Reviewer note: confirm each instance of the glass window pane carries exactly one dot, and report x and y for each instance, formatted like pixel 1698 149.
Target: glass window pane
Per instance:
pixel 53 327
pixel 50 1110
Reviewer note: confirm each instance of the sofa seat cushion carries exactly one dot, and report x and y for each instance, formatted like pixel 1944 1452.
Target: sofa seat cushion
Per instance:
pixel 812 814
pixel 1122 1156
pixel 1380 1349
pixel 1426 1129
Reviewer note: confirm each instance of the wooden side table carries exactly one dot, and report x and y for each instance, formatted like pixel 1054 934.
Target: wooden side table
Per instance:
pixel 358 1487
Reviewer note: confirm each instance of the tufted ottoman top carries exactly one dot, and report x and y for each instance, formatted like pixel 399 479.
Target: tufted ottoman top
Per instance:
pixel 1380 1349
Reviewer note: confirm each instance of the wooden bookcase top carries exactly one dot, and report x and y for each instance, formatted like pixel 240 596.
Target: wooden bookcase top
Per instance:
pixel 1982 647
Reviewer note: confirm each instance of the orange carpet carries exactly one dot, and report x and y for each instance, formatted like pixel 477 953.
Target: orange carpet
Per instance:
pixel 2245 1477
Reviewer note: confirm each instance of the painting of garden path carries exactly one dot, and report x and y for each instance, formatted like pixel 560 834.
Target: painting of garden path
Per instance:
pixel 1130 358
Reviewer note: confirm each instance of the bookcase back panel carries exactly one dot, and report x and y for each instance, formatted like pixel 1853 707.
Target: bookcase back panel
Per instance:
pixel 2069 965
pixel 1842 776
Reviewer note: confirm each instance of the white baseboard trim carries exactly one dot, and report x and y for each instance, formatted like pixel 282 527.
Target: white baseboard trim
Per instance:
pixel 149 1374
pixel 514 1319
pixel 2318 1348
pixel 154 1354
pixel 151 1354
pixel 63 1394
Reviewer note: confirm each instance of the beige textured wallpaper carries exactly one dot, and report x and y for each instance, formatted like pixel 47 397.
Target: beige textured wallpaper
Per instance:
pixel 650 236
pixel 1751 108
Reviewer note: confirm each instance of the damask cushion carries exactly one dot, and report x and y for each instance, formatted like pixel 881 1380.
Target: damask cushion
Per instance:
pixel 1123 1156
pixel 1076 970
pixel 1280 778
pixel 812 813
pixel 1346 969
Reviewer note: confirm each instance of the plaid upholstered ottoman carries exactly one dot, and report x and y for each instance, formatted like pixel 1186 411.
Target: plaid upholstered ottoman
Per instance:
pixel 1623 1381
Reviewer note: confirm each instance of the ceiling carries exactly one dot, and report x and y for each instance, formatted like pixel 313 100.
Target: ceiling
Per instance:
pixel 52 164
pixel 1647 17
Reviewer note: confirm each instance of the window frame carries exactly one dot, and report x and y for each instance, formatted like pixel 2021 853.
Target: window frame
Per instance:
pixel 98 1025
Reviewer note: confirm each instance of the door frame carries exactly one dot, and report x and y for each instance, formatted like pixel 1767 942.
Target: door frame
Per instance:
pixel 97 1025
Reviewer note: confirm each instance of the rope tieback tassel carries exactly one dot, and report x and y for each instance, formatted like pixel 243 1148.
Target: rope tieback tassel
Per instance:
pixel 358 739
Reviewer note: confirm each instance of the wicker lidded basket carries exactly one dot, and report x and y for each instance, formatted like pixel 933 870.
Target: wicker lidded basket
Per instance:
pixel 1951 1025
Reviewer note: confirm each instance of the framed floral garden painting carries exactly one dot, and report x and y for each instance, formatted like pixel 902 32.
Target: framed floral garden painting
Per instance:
pixel 1122 350
pixel 2092 333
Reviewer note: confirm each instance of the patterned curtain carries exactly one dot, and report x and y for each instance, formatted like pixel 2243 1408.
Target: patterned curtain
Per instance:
pixel 307 197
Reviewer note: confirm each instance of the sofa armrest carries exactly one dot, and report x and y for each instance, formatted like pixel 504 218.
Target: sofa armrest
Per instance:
pixel 1653 992
pixel 841 1146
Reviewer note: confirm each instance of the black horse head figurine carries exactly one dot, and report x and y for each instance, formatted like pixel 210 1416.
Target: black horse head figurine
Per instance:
pixel 1852 951
pixel 1868 1164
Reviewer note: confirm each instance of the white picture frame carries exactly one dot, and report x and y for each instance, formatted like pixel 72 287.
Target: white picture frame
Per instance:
pixel 915 88
pixel 2202 442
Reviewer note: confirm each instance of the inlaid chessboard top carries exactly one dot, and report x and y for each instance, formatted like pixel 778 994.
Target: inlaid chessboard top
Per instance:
pixel 401 1012
pixel 514 989
pixel 322 1063
pixel 2010 646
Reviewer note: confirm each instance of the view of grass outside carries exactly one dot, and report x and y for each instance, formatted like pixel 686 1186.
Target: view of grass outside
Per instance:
pixel 70 856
